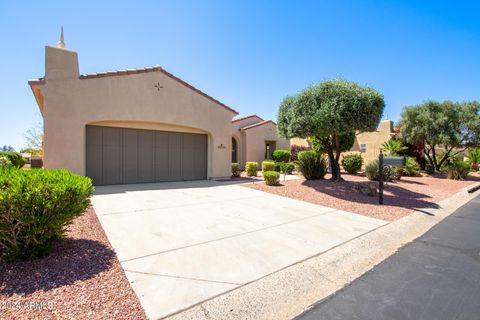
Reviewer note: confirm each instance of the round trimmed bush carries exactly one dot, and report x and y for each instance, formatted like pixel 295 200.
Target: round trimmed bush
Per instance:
pixel 5 162
pixel 389 173
pixel 251 168
pixel 36 206
pixel 236 169
pixel 352 163
pixel 311 164
pixel 268 165
pixel 14 158
pixel 272 178
pixel 281 155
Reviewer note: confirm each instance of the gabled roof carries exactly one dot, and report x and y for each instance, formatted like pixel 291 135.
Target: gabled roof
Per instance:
pixel 127 72
pixel 257 124
pixel 247 117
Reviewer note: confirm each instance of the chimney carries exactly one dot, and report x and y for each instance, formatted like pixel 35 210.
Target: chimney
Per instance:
pixel 60 63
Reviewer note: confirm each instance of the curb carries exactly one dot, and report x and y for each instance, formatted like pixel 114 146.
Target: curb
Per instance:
pixel 289 292
pixel 471 190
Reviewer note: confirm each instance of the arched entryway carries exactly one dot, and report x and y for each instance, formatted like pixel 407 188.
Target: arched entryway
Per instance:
pixel 234 150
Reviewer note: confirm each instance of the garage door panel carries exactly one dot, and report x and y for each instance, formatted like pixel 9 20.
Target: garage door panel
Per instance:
pixel 130 156
pixel 121 155
pixel 146 172
pixel 161 156
pixel 194 160
pixel 112 156
pixel 94 154
pixel 175 142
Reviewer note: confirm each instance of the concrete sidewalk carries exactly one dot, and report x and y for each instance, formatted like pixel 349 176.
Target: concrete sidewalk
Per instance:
pixel 186 242
pixel 437 276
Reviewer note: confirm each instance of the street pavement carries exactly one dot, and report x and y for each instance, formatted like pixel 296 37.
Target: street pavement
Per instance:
pixel 437 276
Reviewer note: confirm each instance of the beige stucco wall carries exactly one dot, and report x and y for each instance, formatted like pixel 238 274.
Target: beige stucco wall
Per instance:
pixel 373 141
pixel 255 139
pixel 299 142
pixel 70 103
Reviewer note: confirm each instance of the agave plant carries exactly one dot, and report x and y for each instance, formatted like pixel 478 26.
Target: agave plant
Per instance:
pixel 474 158
pixel 393 147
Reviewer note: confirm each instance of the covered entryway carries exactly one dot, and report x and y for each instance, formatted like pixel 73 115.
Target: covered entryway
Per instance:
pixel 122 155
pixel 234 150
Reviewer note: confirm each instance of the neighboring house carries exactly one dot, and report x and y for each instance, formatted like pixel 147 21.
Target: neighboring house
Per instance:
pixel 137 126
pixel 255 139
pixel 369 143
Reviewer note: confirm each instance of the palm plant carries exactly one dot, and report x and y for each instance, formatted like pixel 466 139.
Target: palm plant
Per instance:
pixel 393 147
pixel 474 158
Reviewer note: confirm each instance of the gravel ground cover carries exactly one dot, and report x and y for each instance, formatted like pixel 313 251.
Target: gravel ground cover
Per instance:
pixel 80 279
pixel 400 198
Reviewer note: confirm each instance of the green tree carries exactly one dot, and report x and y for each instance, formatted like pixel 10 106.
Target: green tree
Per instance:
pixel 7 148
pixel 451 127
pixel 328 111
pixel 323 144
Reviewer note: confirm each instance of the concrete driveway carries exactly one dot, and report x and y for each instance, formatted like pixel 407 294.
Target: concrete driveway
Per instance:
pixel 185 242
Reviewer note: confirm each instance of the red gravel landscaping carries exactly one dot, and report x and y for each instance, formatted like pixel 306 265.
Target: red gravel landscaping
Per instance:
pixel 80 279
pixel 400 198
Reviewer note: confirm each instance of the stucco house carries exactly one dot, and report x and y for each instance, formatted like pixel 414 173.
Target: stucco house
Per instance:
pixel 369 143
pixel 137 126
pixel 255 139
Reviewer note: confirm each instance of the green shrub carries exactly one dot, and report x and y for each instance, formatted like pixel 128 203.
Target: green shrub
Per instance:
pixel 429 169
pixel 5 162
pixel 15 158
pixel 281 155
pixel 33 152
pixel 272 178
pixel 36 206
pixel 268 165
pixel 236 169
pixel 287 168
pixel 410 168
pixel 311 164
pixel 458 170
pixel 251 168
pixel 474 158
pixel 389 173
pixel 352 163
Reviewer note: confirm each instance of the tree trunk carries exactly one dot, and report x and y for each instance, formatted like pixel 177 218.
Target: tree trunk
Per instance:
pixel 333 167
pixel 338 151
pixel 434 159
pixel 427 154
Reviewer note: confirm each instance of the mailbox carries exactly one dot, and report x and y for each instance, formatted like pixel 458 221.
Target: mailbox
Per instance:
pixel 393 161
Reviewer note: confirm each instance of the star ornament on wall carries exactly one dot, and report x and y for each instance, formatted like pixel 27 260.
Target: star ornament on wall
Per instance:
pixel 158 86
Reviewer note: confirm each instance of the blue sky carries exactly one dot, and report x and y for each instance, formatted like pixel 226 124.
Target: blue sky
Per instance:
pixel 248 54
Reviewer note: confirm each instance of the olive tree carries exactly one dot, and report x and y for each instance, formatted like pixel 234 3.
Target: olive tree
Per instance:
pixel 329 111
pixel 450 127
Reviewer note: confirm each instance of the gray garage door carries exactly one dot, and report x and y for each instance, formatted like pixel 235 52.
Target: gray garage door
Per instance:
pixel 120 155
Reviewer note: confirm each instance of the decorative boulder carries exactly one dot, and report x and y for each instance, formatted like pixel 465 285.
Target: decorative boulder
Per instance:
pixel 367 189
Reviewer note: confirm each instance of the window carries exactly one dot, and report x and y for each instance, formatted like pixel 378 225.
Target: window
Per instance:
pixel 363 147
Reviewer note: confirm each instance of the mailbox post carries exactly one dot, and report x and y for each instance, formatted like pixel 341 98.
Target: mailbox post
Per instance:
pixel 380 177
pixel 386 161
